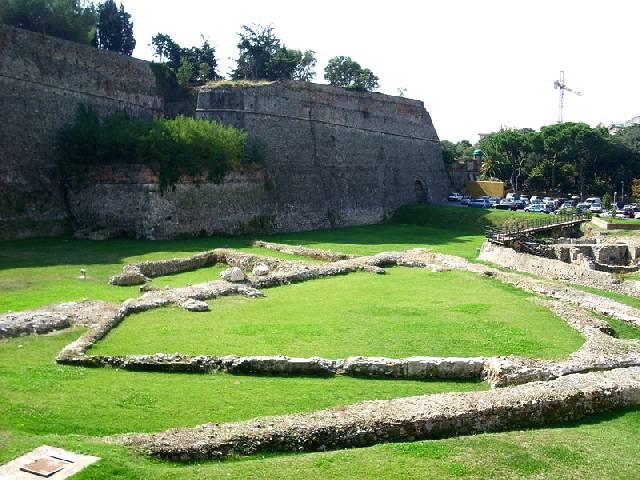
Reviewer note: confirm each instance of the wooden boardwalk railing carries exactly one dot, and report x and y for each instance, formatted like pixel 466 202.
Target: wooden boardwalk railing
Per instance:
pixel 510 232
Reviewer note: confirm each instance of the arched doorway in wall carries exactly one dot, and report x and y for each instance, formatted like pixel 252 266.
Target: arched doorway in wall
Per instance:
pixel 422 194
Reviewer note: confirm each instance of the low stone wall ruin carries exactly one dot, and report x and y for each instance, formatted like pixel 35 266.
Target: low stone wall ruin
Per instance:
pixel 556 269
pixel 536 404
pixel 603 374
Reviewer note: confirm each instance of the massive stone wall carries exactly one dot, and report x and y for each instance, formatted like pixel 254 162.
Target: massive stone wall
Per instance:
pixel 333 158
pixel 42 82
pixel 336 157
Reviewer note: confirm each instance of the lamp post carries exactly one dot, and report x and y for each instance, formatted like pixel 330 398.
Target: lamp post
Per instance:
pixel 622 190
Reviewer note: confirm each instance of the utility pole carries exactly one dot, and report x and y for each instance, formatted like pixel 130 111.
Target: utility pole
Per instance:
pixel 622 194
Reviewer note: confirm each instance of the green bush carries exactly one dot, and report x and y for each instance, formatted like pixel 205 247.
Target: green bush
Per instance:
pixel 174 148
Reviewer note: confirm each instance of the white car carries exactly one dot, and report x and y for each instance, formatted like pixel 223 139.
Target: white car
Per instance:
pixel 595 208
pixel 454 197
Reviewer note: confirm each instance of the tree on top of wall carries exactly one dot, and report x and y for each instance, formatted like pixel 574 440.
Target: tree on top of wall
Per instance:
pixel 202 62
pixel 262 56
pixel 115 29
pixel 73 20
pixel 347 73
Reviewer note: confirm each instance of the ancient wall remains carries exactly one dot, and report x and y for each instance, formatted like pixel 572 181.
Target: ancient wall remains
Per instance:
pixel 42 81
pixel 333 157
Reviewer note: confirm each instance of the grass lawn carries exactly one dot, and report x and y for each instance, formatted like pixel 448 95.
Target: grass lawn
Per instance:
pixel 42 271
pixel 623 330
pixel 407 311
pixel 618 297
pixel 403 313
pixel 45 403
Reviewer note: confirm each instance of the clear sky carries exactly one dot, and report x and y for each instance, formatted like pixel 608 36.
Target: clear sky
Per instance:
pixel 476 64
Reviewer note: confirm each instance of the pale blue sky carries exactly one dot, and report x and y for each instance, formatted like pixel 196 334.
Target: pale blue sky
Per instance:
pixel 477 65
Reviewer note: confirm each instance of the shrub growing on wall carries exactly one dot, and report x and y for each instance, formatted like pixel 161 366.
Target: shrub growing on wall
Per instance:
pixel 174 148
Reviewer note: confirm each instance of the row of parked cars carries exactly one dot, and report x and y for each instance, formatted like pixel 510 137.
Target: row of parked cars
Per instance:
pixel 534 204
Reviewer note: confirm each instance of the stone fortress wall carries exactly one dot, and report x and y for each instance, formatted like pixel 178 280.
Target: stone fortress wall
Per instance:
pixel 42 81
pixel 333 157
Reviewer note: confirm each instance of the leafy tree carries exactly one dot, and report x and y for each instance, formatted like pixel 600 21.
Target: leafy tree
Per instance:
pixel 510 145
pixel 263 57
pixel 185 72
pixel 115 30
pixel 166 50
pixel 635 189
pixel 73 20
pixel 202 60
pixel 305 70
pixel 347 73
pixel 257 45
pixel 448 152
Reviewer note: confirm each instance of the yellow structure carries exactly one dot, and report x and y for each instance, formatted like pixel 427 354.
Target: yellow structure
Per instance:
pixel 481 188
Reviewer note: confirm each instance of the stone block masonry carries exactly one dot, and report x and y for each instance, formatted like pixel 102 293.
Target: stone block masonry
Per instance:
pixel 536 404
pixel 43 80
pixel 332 157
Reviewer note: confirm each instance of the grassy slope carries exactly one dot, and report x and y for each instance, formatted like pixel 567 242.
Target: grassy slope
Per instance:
pixel 38 397
pixel 43 271
pixel 403 313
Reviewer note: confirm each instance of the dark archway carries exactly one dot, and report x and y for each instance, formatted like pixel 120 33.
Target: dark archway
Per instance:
pixel 421 192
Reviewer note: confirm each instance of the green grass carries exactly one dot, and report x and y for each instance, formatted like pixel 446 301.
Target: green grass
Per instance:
pixel 605 446
pixel 403 313
pixel 38 396
pixel 623 330
pixel 42 271
pixel 45 403
pixel 618 297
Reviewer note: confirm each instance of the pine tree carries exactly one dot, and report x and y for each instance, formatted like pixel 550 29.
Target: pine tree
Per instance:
pixel 128 41
pixel 115 30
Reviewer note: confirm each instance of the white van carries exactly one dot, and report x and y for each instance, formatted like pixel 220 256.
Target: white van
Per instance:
pixel 592 200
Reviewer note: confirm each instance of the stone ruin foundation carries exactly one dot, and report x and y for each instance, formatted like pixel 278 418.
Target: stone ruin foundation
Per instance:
pixel 603 374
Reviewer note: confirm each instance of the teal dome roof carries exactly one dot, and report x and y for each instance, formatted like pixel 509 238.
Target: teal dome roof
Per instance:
pixel 478 153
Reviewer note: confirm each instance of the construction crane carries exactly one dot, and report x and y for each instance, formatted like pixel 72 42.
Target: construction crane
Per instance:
pixel 559 84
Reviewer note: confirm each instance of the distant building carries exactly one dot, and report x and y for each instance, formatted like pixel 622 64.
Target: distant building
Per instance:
pixel 464 170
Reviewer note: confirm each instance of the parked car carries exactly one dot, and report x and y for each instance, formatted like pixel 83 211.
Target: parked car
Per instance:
pixel 480 203
pixel 583 207
pixel 506 204
pixel 465 200
pixel 592 200
pixel 536 208
pixel 455 197
pixel 518 204
pixel 595 208
pixel 566 207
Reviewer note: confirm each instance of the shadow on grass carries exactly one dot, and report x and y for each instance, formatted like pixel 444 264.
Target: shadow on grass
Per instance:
pixel 430 225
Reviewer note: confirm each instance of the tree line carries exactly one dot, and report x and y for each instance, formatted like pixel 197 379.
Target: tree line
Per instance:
pixel 103 25
pixel 566 157
pixel 261 54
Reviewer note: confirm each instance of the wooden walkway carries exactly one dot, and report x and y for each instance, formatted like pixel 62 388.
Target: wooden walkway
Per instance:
pixel 527 227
